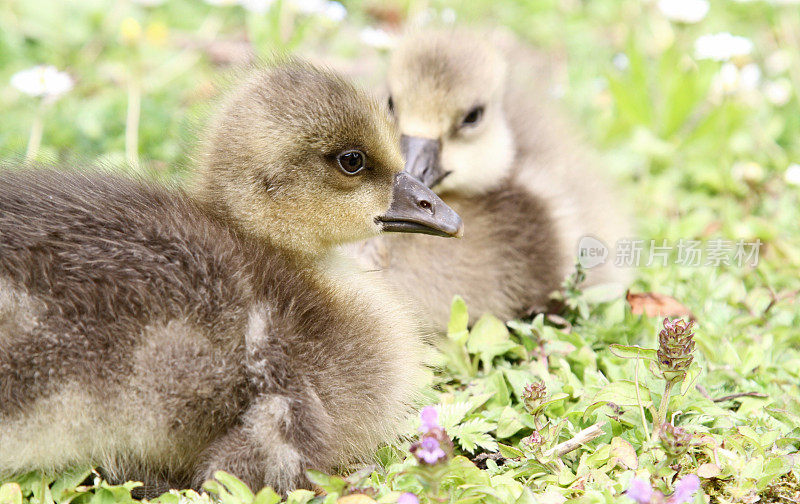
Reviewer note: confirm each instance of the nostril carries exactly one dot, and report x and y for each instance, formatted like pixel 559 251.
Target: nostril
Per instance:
pixel 425 204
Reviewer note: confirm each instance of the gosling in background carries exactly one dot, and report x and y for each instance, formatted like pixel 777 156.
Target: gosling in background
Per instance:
pixel 164 337
pixel 477 126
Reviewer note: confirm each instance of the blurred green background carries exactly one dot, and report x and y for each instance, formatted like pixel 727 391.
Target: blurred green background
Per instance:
pixel 692 105
pixel 707 145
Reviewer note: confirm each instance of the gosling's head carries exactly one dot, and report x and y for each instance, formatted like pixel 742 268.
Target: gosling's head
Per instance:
pixel 446 91
pixel 301 158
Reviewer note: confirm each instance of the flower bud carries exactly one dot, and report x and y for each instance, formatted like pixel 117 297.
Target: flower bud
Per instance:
pixel 675 347
pixel 674 440
pixel 533 397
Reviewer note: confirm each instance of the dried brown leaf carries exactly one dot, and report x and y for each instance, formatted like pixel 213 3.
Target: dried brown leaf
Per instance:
pixel 654 304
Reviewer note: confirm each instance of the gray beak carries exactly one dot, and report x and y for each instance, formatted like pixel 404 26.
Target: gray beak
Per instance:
pixel 422 159
pixel 416 209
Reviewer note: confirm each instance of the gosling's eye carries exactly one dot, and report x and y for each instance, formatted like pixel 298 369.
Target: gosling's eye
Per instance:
pixel 473 117
pixel 351 162
pixel 390 103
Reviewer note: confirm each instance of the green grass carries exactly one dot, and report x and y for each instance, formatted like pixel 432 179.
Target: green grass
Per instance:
pixel 698 164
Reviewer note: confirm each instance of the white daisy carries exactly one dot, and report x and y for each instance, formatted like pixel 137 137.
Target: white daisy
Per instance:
pixel 257 6
pixel 621 61
pixel 792 174
pixel 221 3
pixel 377 38
pixel 684 11
pixel 778 92
pixel 334 11
pixel 42 80
pixel 732 79
pixel 448 15
pixel 722 46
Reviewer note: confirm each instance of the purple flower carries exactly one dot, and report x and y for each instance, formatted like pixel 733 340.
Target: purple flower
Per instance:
pixel 685 489
pixel 407 498
pixel 430 419
pixel 640 491
pixel 428 451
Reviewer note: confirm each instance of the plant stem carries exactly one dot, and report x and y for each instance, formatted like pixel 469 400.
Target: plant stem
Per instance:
pixel 662 409
pixel 577 441
pixel 132 120
pixel 35 138
pixel 639 399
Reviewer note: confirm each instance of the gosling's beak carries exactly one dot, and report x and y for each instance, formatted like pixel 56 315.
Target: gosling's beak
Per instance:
pixel 422 159
pixel 416 209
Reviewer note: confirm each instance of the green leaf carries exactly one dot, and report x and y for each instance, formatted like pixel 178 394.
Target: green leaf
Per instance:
pixel 633 352
pixel 555 398
pixel 518 379
pixel 299 497
pixel 623 393
pixel 459 321
pixel 691 375
pixel 452 414
pixel 216 488
pixel 10 493
pixel 103 496
pixel 497 387
pixel 474 433
pixel 772 470
pixel 235 486
pixel 331 484
pixel 509 423
pixel 511 452
pixel 63 489
pixel 489 339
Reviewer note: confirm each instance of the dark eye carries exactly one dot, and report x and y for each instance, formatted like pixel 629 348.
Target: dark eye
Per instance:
pixel 390 103
pixel 473 116
pixel 351 162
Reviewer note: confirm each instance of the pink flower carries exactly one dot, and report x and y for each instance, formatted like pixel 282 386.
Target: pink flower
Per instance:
pixel 685 490
pixel 430 419
pixel 429 451
pixel 640 491
pixel 407 498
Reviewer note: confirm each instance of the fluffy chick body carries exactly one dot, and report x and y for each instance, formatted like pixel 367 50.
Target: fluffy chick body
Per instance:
pixel 165 337
pixel 525 185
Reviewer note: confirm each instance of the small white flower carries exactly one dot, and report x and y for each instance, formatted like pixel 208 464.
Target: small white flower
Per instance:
pixel 377 38
pixel 448 15
pixel 309 6
pixel 792 174
pixel 423 17
pixel 42 80
pixel 335 11
pixel 732 79
pixel 331 10
pixel 684 11
pixel 722 46
pixel 557 91
pixel 256 6
pixel 749 77
pixel 748 171
pixel 778 62
pixel 621 61
pixel 727 80
pixel 778 92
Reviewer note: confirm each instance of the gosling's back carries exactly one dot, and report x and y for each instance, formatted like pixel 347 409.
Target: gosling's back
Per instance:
pixel 140 333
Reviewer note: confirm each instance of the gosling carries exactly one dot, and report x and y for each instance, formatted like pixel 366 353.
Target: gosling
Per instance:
pixel 502 157
pixel 164 335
